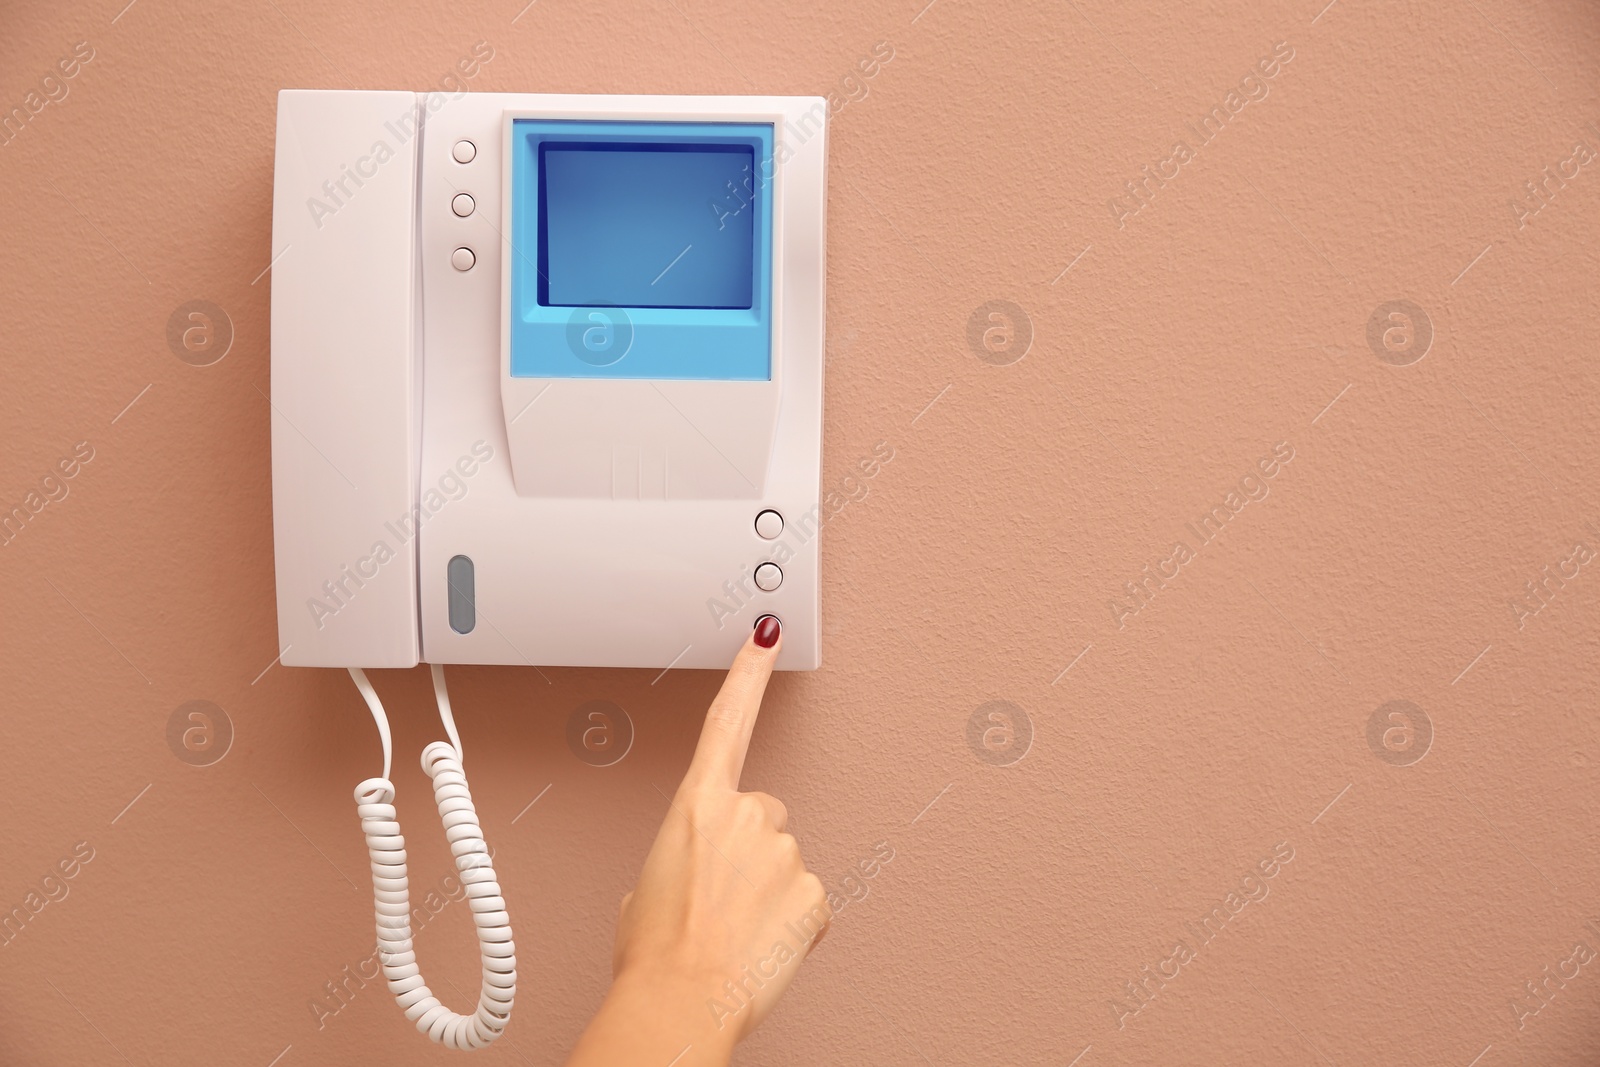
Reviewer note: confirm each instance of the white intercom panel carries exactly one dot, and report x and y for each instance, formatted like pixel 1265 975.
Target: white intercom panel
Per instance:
pixel 546 377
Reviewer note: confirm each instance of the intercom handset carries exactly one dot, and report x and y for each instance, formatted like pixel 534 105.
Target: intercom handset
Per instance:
pixel 546 390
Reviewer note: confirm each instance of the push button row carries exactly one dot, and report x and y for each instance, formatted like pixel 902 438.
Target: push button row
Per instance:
pixel 768 576
pixel 463 205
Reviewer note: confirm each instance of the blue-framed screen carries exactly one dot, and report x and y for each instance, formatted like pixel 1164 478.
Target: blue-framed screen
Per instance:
pixel 641 250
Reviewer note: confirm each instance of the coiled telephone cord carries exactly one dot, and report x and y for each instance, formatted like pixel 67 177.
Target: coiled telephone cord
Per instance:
pixel 396 952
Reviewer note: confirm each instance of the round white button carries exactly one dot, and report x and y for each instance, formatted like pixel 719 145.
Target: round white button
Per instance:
pixel 769 524
pixel 768 577
pixel 464 151
pixel 462 259
pixel 462 204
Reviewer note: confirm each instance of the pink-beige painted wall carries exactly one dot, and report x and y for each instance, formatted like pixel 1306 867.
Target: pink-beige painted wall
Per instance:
pixel 1169 751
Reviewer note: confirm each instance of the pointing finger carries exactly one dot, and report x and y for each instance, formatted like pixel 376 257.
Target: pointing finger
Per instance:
pixel 725 738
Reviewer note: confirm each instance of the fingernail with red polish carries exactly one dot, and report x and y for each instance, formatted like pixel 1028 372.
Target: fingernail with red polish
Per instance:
pixel 767 630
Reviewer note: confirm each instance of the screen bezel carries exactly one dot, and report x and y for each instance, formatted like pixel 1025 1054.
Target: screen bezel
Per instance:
pixel 662 343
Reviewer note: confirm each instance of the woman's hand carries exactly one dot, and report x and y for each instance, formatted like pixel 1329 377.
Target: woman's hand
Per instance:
pixel 725 910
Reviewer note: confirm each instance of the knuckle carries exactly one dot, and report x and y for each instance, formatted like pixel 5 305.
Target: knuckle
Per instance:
pixel 789 848
pixel 750 809
pixel 697 801
pixel 719 714
pixel 817 894
pixel 772 805
pixel 725 716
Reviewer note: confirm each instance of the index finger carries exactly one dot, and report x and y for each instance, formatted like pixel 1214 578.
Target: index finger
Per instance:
pixel 725 738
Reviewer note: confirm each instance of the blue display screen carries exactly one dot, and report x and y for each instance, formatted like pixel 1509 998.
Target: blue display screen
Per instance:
pixel 645 225
pixel 641 249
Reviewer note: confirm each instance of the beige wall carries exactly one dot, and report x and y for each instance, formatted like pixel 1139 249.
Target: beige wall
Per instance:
pixel 1174 750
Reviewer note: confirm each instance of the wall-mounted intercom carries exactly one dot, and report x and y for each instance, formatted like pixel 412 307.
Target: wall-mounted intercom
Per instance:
pixel 546 389
pixel 546 377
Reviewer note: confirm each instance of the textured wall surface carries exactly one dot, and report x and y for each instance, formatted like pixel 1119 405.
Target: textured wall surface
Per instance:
pixel 1358 317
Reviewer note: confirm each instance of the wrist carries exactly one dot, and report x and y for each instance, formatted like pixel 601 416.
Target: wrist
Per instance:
pixel 673 1013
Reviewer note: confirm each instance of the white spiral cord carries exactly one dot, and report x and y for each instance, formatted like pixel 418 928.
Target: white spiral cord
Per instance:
pixel 375 802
